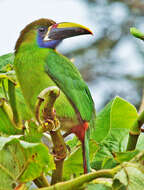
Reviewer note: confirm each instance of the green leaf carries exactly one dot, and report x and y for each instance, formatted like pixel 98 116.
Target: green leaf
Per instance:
pixel 108 163
pixel 72 143
pixel 123 114
pixel 21 161
pixel 125 156
pixel 136 33
pixel 5 61
pixel 6 126
pixel 103 158
pixel 140 143
pixel 73 165
pixel 97 187
pixel 7 72
pixel 129 178
pixel 117 114
pixel 102 127
pixel 6 67
pixel 113 124
pixel 31 133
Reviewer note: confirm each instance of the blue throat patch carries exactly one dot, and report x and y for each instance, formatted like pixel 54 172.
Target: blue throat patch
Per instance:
pixel 49 44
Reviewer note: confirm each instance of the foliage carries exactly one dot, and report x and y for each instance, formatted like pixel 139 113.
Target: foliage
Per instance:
pixel 25 154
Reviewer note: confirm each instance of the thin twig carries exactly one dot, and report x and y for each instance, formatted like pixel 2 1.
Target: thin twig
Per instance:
pixel 136 128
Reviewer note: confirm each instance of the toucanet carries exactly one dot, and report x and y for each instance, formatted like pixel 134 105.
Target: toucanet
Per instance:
pixel 38 66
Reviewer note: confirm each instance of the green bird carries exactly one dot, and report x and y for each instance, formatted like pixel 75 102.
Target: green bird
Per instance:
pixel 38 66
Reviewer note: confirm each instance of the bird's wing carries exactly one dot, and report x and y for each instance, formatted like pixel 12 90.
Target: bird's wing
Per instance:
pixel 68 79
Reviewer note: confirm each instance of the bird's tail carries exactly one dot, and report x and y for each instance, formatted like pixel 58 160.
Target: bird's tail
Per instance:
pixel 85 149
pixel 85 143
pixel 82 132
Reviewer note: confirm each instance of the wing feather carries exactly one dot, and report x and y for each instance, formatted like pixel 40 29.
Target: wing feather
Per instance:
pixel 69 80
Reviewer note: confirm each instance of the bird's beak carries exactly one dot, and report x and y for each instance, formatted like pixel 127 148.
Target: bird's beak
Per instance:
pixel 64 30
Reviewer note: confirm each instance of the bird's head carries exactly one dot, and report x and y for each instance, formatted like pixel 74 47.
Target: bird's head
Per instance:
pixel 45 33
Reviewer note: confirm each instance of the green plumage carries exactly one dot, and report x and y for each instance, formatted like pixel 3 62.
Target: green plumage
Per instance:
pixel 69 80
pixel 39 68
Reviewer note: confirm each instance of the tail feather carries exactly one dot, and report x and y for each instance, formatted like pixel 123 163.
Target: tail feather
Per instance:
pixel 85 149
pixel 83 133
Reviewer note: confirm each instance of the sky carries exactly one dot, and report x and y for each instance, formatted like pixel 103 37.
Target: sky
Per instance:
pixel 16 14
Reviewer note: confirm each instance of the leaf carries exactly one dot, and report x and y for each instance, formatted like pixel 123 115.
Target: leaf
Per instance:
pixel 73 165
pixel 113 124
pixel 125 156
pixel 117 114
pixel 21 161
pixel 97 187
pixel 140 143
pixel 102 127
pixel 7 72
pixel 31 133
pixel 108 163
pixel 123 114
pixel 6 60
pixel 136 33
pixel 103 158
pixel 129 178
pixel 72 143
pixel 6 126
pixel 6 67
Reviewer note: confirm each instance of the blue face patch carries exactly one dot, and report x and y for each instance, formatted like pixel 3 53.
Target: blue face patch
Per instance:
pixel 49 44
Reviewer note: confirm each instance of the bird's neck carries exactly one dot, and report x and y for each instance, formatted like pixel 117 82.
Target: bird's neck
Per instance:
pixel 27 46
pixel 52 44
pixel 32 51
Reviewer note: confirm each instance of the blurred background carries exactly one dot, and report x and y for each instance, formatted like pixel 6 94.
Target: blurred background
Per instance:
pixel 111 61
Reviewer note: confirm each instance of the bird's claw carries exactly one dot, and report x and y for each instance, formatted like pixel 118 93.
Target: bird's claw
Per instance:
pixel 51 125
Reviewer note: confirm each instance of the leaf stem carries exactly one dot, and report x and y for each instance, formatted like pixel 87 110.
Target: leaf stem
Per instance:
pixel 4 90
pixel 12 101
pixel 41 181
pixel 135 132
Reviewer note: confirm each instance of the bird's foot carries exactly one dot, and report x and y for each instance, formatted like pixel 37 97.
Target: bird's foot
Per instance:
pixel 51 125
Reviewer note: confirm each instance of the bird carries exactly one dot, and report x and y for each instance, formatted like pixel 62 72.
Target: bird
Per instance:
pixel 38 65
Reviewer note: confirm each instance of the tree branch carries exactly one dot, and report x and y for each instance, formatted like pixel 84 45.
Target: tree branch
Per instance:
pixel 49 122
pixel 79 181
pixel 101 174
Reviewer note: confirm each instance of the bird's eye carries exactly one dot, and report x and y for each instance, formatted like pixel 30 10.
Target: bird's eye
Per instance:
pixel 42 29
